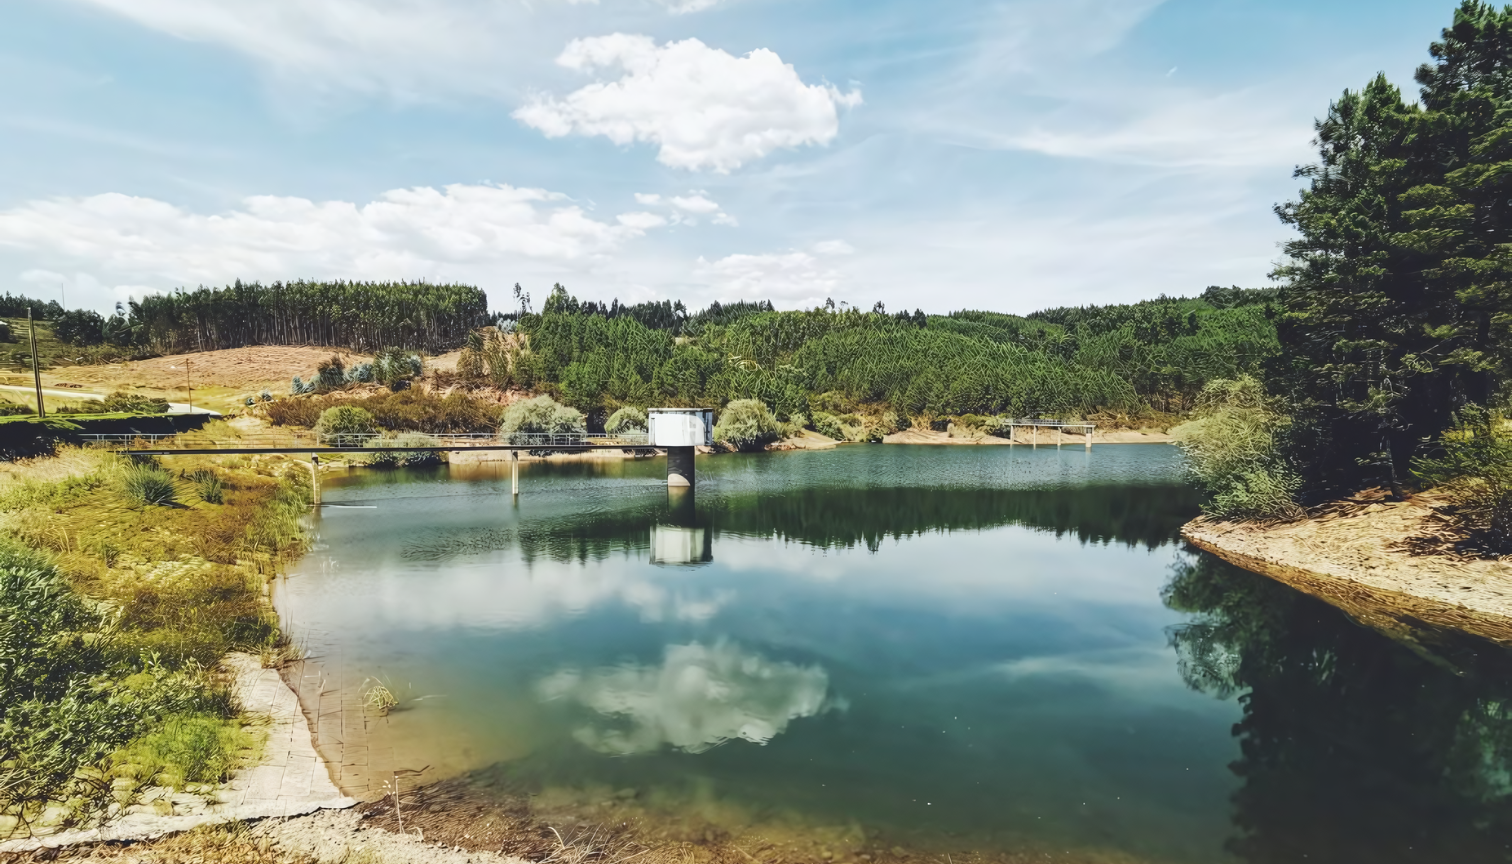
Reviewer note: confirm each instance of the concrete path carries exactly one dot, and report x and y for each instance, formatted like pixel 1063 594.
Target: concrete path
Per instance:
pixel 291 779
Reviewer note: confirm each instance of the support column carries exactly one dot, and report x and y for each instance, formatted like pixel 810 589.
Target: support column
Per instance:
pixel 679 466
pixel 514 472
pixel 314 466
pixel 1089 437
pixel 1034 432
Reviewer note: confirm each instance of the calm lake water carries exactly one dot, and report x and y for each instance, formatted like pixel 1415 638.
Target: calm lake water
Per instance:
pixel 948 648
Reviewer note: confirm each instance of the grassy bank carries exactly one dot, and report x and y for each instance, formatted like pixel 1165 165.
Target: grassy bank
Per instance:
pixel 122 584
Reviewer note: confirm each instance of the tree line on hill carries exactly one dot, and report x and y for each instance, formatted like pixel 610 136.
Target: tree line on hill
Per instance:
pixel 360 316
pixel 1159 353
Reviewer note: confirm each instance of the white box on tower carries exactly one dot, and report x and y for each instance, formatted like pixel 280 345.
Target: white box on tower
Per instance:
pixel 681 427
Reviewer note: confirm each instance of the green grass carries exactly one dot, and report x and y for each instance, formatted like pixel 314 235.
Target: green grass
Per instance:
pixel 188 748
pixel 110 613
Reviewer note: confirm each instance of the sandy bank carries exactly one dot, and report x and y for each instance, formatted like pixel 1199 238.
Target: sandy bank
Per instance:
pixel 1043 438
pixel 1354 558
pixel 805 440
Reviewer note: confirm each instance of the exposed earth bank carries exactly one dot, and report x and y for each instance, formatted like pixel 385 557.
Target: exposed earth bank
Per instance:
pixel 1388 564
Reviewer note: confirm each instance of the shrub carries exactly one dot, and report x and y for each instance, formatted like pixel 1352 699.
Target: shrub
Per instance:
pixel 1473 465
pixel 1230 447
pixel 626 419
pixel 395 369
pixel 404 458
pixel 301 388
pixel 149 484
pixel 330 374
pixel 208 486
pixel 542 415
pixel 471 366
pixel 345 420
pixel 826 425
pixel 304 413
pixel 360 373
pixel 746 425
pixel 266 396
pixel 134 403
pixel 14 409
pixel 420 411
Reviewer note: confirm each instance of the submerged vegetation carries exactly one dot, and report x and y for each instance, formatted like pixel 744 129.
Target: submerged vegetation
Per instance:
pixel 114 613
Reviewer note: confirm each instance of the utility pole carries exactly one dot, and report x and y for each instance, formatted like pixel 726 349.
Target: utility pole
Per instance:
pixel 31 329
pixel 189 388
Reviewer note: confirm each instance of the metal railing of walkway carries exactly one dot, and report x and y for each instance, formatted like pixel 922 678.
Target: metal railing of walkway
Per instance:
pixel 190 443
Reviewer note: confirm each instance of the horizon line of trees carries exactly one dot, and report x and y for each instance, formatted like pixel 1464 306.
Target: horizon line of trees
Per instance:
pixel 1121 358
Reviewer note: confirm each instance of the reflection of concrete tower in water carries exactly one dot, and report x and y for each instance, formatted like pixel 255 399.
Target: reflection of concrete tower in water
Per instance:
pixel 679 540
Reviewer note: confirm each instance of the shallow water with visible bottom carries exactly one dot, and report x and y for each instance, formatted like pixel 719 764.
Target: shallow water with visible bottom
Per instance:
pixel 1003 650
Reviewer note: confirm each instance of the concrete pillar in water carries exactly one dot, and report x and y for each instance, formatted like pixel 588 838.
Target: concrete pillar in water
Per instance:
pixel 1089 437
pixel 314 479
pixel 679 466
pixel 514 471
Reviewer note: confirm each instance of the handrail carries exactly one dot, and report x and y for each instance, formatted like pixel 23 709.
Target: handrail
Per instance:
pixel 457 441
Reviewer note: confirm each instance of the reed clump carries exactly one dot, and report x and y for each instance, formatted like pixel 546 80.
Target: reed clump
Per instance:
pixel 149 485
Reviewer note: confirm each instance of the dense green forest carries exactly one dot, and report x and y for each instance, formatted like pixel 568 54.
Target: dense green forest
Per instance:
pixel 361 316
pixel 1155 354
pixel 1396 303
pixel 1394 312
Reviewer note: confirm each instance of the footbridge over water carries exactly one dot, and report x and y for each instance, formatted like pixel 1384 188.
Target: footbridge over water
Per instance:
pixel 677 431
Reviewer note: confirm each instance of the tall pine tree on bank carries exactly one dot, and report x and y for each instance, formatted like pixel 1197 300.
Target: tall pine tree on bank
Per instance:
pixel 1395 304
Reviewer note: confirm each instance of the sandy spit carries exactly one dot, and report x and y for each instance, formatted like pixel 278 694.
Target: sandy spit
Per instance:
pixel 1354 561
pixel 1045 437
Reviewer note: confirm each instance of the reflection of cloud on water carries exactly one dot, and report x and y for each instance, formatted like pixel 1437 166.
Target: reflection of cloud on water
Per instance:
pixel 519 598
pixel 700 696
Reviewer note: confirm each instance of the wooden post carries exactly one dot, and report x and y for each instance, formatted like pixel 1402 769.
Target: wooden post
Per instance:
pixel 514 471
pixel 31 328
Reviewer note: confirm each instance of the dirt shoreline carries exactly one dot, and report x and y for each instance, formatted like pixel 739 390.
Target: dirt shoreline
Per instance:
pixel 1356 560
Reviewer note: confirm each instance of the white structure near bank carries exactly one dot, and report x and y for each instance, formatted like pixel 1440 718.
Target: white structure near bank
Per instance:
pixel 678 431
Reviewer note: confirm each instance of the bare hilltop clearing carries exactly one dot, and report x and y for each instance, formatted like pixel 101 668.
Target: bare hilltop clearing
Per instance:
pixel 219 379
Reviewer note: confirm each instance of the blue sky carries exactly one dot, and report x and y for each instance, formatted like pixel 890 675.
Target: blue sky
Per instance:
pixel 1001 155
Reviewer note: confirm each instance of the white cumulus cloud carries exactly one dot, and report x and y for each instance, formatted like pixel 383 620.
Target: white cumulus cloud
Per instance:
pixel 697 203
pixel 405 233
pixel 795 278
pixel 704 108
pixel 699 697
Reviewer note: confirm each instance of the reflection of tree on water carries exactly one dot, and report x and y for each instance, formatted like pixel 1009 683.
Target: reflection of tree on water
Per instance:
pixel 1133 514
pixel 1354 748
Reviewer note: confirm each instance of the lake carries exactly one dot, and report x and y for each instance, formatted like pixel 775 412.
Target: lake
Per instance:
pixel 923 650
